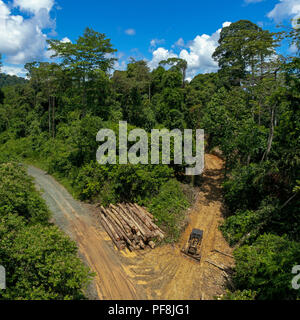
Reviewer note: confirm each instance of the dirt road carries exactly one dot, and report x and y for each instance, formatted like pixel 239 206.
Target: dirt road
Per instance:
pixel 94 246
pixel 163 273
pixel 166 274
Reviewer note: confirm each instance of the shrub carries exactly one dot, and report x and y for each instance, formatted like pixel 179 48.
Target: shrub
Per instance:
pixel 41 262
pixel 266 267
pixel 18 195
pixel 168 208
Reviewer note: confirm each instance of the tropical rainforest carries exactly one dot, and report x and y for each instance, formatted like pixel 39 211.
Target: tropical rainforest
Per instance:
pixel 249 109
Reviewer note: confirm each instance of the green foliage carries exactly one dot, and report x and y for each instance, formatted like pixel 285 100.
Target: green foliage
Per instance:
pixel 243 46
pixel 127 182
pixel 88 53
pixel 18 195
pixel 168 208
pixel 246 187
pixel 177 64
pixel 8 80
pixel 246 295
pixel 41 262
pixel 237 134
pixel 246 226
pixel 266 267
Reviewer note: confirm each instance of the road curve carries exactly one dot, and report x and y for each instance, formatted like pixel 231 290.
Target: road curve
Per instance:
pixel 76 220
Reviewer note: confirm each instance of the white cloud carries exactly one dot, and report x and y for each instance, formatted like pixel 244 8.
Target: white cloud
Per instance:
pixel 159 55
pixel 198 53
pixel 121 62
pixel 285 9
pixel 225 24
pixel 14 71
pixel 22 39
pixel 155 42
pixel 179 43
pixel 34 6
pixel 120 65
pixel 66 40
pixel 293 49
pixel 130 32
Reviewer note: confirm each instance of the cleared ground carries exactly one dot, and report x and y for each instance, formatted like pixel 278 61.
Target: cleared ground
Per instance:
pixel 75 219
pixel 163 273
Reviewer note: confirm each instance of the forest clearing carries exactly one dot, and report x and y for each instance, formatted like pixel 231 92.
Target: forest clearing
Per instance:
pixel 163 273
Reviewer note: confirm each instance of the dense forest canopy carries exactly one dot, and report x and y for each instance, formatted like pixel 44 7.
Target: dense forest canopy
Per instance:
pixel 7 80
pixel 249 109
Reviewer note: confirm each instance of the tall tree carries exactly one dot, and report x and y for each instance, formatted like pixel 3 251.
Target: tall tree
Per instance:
pixel 179 64
pixel 243 46
pixel 91 52
pixel 45 77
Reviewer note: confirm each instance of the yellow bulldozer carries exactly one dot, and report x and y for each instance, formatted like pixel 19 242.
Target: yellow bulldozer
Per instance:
pixel 193 247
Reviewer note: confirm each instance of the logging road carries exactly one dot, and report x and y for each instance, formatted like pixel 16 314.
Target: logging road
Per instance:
pixel 163 273
pixel 77 220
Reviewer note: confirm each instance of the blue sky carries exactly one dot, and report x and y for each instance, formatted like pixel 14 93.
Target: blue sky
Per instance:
pixel 150 30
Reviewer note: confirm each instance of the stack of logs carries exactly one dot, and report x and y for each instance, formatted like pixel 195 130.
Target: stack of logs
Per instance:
pixel 130 225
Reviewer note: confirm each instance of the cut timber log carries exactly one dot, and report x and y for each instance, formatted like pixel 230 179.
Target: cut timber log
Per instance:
pixel 127 219
pixel 116 243
pixel 139 224
pixel 121 220
pixel 146 219
pixel 118 223
pixel 112 217
pixel 130 225
pixel 216 265
pixel 151 244
pixel 137 216
pixel 143 216
pixel 121 233
pixel 225 254
pixel 148 213
pixel 116 236
pixel 142 244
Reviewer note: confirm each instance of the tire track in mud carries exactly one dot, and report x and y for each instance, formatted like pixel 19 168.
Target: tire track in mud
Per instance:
pixel 172 276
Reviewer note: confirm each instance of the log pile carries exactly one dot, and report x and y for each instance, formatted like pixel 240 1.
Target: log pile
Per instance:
pixel 130 226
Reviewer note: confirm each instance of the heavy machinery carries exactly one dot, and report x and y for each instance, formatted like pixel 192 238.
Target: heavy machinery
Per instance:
pixel 193 248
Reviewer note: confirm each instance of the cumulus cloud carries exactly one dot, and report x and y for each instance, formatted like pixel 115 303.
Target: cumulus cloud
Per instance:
pixel 286 9
pixel 34 5
pixel 159 55
pixel 130 32
pixel 14 71
pixel 22 39
pixel 198 53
